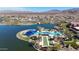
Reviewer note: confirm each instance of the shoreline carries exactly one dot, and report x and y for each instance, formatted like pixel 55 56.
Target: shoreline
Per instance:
pixel 20 35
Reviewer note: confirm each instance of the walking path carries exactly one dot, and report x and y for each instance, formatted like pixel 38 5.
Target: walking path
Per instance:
pixel 20 35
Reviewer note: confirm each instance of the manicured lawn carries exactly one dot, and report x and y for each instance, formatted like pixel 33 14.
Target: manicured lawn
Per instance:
pixel 45 41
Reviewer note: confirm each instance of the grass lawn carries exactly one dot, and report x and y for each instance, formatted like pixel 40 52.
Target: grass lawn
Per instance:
pixel 45 41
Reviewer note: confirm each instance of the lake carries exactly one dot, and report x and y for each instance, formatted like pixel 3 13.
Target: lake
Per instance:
pixel 9 41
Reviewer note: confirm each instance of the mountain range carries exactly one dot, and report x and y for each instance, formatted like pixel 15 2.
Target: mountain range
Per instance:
pixel 74 10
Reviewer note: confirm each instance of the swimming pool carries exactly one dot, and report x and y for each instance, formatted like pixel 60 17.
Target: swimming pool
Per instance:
pixel 35 32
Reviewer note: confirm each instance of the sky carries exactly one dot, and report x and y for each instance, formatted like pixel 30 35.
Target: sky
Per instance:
pixel 35 9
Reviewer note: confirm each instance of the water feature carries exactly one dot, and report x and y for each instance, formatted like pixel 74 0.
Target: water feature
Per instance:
pixel 9 41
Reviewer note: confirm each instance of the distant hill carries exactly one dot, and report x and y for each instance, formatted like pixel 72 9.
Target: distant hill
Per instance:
pixel 52 11
pixel 72 11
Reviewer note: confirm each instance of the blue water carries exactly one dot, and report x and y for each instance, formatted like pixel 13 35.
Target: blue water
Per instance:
pixel 31 32
pixel 35 32
pixel 56 33
pixel 9 40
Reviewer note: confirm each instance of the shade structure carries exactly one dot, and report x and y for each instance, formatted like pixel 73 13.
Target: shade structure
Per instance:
pixel 30 32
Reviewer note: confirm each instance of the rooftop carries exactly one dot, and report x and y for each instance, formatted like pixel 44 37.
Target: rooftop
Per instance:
pixel 75 22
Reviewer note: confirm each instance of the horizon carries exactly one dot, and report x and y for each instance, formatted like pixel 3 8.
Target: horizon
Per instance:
pixel 35 9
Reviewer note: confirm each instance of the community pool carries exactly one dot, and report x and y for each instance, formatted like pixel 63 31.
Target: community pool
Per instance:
pixel 35 32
